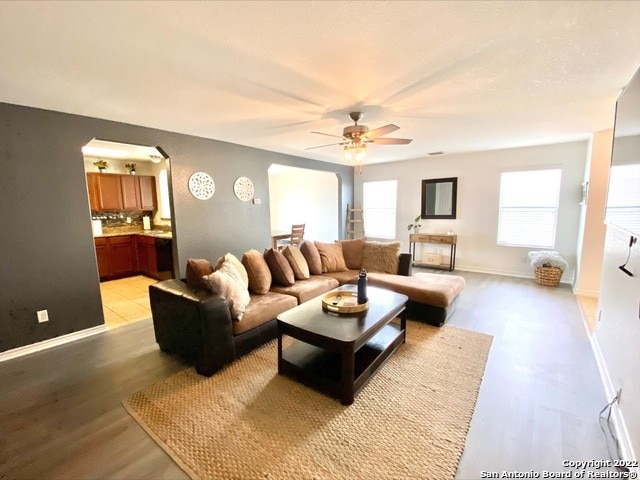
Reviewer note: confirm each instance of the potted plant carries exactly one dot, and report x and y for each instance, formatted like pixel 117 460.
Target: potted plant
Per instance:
pixel 415 225
pixel 131 167
pixel 102 165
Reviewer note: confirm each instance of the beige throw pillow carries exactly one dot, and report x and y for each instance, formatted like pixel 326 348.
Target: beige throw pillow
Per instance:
pixel 236 263
pixel 331 257
pixel 312 256
pixel 257 271
pixel 297 262
pixel 381 257
pixel 227 282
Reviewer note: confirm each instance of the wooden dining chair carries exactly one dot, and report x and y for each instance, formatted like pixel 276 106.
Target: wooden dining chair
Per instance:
pixel 297 234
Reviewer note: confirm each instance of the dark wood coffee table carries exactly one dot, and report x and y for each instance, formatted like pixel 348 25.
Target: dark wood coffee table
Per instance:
pixel 339 353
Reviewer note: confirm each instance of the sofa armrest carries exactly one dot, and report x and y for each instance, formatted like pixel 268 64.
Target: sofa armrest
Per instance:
pixel 404 265
pixel 193 324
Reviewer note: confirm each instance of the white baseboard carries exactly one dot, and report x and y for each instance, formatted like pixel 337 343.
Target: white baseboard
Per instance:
pixel 626 447
pixel 506 273
pixel 52 342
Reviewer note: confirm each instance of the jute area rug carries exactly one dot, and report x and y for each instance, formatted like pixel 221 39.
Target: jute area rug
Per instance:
pixel 247 422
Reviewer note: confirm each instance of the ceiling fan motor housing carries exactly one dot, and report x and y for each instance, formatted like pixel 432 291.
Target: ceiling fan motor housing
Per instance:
pixel 354 131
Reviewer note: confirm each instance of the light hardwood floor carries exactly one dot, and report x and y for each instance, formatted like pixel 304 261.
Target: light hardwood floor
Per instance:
pixel 61 416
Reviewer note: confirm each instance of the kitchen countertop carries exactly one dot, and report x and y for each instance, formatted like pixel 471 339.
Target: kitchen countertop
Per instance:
pixel 147 233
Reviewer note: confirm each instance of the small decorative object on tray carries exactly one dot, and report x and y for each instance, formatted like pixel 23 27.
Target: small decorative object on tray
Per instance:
pixel 343 301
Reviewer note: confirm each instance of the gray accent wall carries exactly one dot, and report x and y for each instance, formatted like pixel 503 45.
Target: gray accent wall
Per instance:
pixel 48 258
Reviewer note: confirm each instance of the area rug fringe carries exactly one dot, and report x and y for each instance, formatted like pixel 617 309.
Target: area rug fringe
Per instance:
pixel 247 422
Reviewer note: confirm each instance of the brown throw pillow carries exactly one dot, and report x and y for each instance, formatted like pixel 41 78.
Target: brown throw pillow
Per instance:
pixel 297 262
pixel 236 263
pixel 312 256
pixel 381 257
pixel 353 253
pixel 227 282
pixel 257 271
pixel 331 256
pixel 196 269
pixel 279 267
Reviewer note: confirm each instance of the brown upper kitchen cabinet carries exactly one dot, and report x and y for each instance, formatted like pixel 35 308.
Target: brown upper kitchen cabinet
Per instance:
pixel 105 191
pixel 108 191
pixel 147 192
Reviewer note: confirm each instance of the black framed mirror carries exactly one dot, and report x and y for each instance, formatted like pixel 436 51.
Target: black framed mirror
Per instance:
pixel 439 196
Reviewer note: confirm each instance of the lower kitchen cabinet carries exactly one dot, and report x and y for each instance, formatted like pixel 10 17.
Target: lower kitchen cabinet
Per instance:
pixel 126 255
pixel 115 256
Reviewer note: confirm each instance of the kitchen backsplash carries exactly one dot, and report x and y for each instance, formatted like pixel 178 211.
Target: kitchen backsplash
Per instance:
pixel 116 222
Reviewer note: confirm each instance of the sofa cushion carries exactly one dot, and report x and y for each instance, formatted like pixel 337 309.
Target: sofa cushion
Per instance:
pixel 236 263
pixel 227 282
pixel 426 288
pixel 257 271
pixel 381 257
pixel 331 257
pixel 313 286
pixel 196 269
pixel 312 256
pixel 353 252
pixel 344 277
pixel 281 271
pixel 262 309
pixel 297 262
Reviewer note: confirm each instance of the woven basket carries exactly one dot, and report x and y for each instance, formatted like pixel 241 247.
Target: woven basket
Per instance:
pixel 548 276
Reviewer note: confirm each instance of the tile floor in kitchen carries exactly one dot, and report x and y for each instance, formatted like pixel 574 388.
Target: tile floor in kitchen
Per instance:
pixel 126 300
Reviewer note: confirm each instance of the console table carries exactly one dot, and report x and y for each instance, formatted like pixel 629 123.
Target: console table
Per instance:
pixel 436 238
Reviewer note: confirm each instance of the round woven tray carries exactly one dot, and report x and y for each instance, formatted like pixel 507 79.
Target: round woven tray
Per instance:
pixel 343 301
pixel 548 276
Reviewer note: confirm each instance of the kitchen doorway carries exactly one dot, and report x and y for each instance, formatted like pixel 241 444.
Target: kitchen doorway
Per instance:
pixel 131 219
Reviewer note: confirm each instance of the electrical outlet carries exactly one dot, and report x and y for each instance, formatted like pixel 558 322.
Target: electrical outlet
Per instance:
pixel 43 316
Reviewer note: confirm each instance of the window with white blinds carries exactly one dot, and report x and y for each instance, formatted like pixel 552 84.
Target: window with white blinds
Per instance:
pixel 623 197
pixel 379 204
pixel 529 208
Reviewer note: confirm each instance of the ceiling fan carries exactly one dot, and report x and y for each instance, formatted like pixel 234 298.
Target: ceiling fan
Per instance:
pixel 356 137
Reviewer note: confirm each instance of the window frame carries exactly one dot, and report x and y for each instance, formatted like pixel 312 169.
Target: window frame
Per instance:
pixel 504 238
pixel 392 226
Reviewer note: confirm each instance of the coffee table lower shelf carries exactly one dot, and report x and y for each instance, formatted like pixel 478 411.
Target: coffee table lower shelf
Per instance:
pixel 322 369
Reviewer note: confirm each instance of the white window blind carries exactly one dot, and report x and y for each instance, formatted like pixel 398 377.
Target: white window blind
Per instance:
pixel 623 198
pixel 379 204
pixel 529 208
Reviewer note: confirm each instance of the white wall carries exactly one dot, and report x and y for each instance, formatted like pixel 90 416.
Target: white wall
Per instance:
pixel 478 195
pixel 618 329
pixel 300 195
pixel 593 231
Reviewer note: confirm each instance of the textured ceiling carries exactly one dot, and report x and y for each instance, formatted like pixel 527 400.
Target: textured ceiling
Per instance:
pixel 455 76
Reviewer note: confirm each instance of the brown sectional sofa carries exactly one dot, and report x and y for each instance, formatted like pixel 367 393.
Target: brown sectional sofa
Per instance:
pixel 193 322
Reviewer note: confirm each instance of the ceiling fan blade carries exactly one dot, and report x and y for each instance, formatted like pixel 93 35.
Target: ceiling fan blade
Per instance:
pixel 329 145
pixel 328 134
pixel 391 141
pixel 378 132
